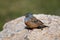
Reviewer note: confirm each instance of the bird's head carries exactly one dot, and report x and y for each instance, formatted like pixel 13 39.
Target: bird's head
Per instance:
pixel 29 14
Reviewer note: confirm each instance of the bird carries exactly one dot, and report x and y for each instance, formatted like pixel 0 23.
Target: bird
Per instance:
pixel 32 22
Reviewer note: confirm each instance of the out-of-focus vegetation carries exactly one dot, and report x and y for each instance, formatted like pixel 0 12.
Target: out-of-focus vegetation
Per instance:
pixel 10 9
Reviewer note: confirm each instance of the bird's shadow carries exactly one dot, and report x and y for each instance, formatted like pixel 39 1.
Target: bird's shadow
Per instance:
pixel 28 28
pixel 39 27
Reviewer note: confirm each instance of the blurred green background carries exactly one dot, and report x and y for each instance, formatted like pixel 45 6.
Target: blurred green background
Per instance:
pixel 11 9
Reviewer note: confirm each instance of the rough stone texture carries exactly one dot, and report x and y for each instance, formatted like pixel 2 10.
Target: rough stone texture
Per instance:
pixel 14 30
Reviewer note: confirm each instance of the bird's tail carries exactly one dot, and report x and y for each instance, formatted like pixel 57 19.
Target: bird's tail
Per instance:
pixel 42 26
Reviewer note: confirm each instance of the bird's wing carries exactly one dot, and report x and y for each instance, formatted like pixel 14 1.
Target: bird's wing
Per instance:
pixel 35 20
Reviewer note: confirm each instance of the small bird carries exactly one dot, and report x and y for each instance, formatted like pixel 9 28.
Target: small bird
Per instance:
pixel 32 22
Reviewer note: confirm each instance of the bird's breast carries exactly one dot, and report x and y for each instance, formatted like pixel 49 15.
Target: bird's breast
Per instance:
pixel 30 24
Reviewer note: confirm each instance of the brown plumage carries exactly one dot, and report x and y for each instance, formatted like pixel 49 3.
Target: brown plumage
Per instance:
pixel 33 22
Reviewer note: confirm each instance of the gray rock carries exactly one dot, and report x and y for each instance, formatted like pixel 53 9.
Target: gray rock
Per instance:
pixel 15 29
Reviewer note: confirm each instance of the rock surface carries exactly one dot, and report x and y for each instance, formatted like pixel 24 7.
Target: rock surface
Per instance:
pixel 14 30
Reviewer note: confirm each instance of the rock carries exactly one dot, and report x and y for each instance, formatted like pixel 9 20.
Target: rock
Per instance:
pixel 15 29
